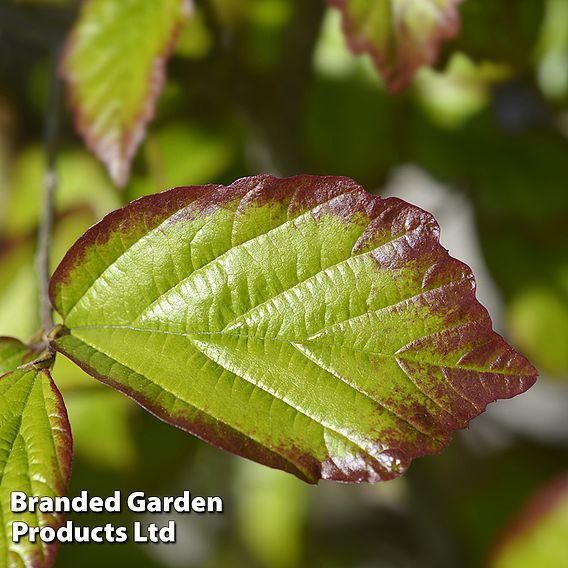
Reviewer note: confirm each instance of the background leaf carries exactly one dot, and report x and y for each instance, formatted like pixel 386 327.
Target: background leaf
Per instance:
pixel 24 202
pixel 12 353
pixel 400 35
pixel 101 425
pixel 519 24
pixel 352 338
pixel 115 65
pixel 35 453
pixel 272 512
pixel 538 536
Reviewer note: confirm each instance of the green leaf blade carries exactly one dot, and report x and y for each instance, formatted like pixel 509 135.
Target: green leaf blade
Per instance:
pixel 399 35
pixel 12 354
pixel 302 323
pixel 114 65
pixel 35 454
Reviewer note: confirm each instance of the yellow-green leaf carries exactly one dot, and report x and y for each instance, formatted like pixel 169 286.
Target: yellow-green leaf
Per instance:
pixel 303 323
pixel 35 454
pixel 114 65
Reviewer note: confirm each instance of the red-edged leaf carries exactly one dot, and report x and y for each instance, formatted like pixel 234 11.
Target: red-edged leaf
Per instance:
pixel 35 453
pixel 302 323
pixel 399 35
pixel 114 64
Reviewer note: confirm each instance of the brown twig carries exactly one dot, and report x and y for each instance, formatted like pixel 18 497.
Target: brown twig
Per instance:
pixel 48 206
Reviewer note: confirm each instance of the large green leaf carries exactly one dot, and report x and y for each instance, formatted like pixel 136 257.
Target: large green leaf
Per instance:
pixel 115 67
pixel 35 453
pixel 400 35
pixel 303 323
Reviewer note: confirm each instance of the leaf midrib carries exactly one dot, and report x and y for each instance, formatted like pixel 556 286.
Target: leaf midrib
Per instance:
pixel 308 342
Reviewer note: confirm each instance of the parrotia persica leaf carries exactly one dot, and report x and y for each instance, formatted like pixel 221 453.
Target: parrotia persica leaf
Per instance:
pixel 114 64
pixel 35 453
pixel 299 322
pixel 399 35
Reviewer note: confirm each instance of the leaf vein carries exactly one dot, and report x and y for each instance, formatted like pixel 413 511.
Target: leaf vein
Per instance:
pixel 353 440
pixel 286 340
pixel 265 234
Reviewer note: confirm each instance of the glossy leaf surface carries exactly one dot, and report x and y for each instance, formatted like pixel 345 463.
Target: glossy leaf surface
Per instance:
pixel 400 35
pixel 35 453
pixel 302 323
pixel 115 65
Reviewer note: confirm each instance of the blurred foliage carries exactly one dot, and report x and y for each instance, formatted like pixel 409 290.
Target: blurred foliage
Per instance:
pixel 269 85
pixel 539 536
pixel 81 181
pixel 459 92
pixel 206 152
pixel 272 514
pixel 505 32
pixel 553 50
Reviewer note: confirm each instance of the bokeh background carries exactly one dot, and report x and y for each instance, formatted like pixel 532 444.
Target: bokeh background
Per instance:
pixel 270 86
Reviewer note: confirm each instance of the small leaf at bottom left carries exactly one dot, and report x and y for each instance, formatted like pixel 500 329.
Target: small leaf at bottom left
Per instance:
pixel 35 454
